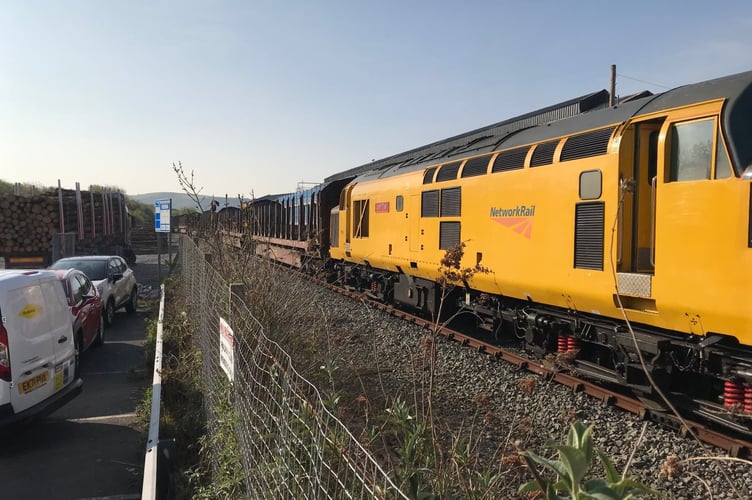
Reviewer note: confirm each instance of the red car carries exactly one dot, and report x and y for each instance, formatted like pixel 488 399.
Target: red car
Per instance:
pixel 85 306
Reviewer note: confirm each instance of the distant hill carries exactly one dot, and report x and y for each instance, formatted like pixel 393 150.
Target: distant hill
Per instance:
pixel 182 200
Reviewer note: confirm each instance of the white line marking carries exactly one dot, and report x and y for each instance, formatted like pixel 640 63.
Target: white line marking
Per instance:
pixel 103 418
pixel 121 372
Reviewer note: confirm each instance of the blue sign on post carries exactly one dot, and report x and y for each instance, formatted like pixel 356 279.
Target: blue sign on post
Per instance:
pixel 162 216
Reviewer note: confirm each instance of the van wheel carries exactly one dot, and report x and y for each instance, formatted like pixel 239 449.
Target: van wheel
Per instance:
pixel 99 339
pixel 132 303
pixel 109 313
pixel 77 343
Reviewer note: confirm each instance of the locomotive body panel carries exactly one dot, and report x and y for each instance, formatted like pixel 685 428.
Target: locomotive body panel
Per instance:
pixel 646 205
pixel 523 225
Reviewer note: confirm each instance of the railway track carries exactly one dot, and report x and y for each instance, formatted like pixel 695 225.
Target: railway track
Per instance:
pixel 734 446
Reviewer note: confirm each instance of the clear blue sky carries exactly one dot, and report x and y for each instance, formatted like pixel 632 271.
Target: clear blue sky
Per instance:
pixel 258 96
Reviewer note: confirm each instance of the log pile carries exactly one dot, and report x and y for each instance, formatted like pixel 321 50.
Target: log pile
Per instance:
pixel 28 223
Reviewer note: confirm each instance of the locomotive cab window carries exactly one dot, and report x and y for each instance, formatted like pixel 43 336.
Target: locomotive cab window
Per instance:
pixel 360 216
pixel 722 163
pixel 692 150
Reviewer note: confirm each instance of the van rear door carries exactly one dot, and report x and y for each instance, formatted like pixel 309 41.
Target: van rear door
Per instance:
pixel 31 344
pixel 61 334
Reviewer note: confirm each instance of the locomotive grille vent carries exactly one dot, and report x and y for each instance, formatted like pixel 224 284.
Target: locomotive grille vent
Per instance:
pixel 451 202
pixel 429 203
pixel 543 154
pixel 588 236
pixel 448 171
pixel 449 235
pixel 334 230
pixel 476 166
pixel 586 145
pixel 428 176
pixel 510 160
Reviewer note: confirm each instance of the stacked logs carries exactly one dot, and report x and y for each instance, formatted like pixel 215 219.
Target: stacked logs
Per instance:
pixel 27 223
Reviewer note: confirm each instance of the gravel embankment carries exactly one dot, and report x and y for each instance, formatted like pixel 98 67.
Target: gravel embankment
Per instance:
pixel 507 408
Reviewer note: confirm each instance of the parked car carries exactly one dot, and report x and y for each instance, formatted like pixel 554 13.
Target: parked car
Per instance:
pixel 113 278
pixel 38 358
pixel 85 307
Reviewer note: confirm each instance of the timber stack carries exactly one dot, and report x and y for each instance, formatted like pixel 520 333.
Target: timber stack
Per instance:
pixel 39 229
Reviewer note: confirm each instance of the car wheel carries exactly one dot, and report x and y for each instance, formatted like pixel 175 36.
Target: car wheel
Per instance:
pixel 99 339
pixel 132 303
pixel 109 312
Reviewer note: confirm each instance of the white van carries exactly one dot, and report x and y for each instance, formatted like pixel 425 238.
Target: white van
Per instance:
pixel 38 358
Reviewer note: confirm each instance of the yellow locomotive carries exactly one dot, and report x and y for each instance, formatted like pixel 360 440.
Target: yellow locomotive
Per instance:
pixel 640 210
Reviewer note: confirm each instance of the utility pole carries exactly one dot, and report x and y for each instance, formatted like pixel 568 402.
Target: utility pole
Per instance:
pixel 612 96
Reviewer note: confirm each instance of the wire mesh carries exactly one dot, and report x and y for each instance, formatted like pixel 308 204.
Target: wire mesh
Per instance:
pixel 291 445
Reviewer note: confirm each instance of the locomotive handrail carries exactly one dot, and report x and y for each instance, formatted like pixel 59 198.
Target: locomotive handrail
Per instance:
pixel 620 231
pixel 653 187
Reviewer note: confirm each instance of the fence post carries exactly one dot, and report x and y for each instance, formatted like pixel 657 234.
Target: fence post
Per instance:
pixel 236 296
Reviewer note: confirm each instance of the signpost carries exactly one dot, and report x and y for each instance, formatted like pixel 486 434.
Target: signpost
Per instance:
pixel 162 209
pixel 162 215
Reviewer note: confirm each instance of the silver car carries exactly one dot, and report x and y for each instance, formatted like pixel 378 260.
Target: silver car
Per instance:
pixel 113 278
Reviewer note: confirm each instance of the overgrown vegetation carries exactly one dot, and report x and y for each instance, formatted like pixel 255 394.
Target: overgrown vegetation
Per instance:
pixel 569 472
pixel 427 453
pixel 21 188
pixel 183 415
pixel 142 213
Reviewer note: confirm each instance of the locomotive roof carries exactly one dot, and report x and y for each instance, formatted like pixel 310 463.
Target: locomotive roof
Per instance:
pixel 458 143
pixel 577 115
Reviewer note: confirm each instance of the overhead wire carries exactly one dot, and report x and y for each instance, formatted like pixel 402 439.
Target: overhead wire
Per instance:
pixel 645 81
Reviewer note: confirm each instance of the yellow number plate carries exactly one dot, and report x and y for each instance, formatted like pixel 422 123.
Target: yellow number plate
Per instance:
pixel 33 383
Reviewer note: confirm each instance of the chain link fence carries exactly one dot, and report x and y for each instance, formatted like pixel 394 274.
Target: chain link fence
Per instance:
pixel 291 445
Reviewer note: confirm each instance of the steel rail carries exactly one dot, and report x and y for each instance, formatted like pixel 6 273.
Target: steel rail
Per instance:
pixel 735 447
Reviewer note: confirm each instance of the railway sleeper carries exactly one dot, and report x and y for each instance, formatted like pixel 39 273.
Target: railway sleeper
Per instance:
pixel 708 377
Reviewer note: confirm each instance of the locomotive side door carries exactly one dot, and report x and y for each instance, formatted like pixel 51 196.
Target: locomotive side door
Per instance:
pixel 638 172
pixel 348 217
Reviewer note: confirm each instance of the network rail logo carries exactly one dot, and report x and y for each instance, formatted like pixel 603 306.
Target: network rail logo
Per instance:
pixel 519 218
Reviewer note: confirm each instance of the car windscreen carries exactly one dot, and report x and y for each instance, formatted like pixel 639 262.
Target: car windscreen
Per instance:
pixel 95 269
